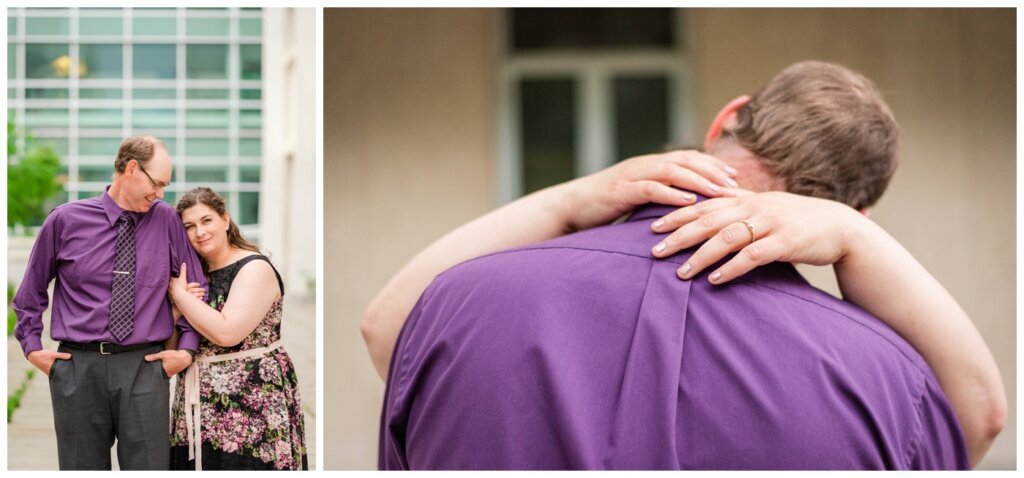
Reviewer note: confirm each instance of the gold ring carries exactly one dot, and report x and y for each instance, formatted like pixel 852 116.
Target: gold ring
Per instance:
pixel 751 229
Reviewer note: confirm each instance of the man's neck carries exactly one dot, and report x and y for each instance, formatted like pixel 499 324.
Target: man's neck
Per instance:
pixel 753 176
pixel 117 193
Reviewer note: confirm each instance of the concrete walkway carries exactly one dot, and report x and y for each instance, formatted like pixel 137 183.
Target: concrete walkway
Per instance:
pixel 31 440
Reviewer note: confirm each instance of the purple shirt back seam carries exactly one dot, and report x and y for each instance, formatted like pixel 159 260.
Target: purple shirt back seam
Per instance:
pixel 739 279
pixel 586 249
pixel 915 444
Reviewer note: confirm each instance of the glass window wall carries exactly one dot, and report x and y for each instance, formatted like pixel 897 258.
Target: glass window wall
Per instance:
pixel 82 79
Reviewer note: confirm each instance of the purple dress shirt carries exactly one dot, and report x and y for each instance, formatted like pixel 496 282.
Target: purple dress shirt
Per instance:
pixel 75 246
pixel 584 352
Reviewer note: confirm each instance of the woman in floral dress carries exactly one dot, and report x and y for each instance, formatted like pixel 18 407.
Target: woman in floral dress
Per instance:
pixel 237 406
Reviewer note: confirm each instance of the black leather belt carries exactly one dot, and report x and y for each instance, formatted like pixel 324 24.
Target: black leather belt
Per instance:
pixel 107 348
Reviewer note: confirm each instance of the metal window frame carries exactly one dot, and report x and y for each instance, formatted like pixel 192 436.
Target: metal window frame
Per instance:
pixel 593 71
pixel 232 132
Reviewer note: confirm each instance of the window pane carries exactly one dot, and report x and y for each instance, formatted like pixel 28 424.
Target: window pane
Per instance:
pixel 91 193
pixel 249 174
pixel 89 26
pixel 171 197
pixel 47 26
pixel 59 145
pixel 249 56
pixel 206 147
pixel 12 61
pixel 12 23
pixel 94 173
pixel 155 93
pixel 206 94
pixel 100 118
pixel 641 115
pixel 548 130
pixel 250 26
pixel 154 27
pixel 246 94
pixel 249 147
pixel 206 61
pixel 553 28
pixel 248 207
pixel 206 119
pixel 155 118
pixel 207 27
pixel 46 118
pixel 100 61
pixel 46 93
pixel 57 200
pixel 206 174
pixel 12 93
pixel 106 147
pixel 100 93
pixel 154 61
pixel 172 147
pixel 46 61
pixel 250 118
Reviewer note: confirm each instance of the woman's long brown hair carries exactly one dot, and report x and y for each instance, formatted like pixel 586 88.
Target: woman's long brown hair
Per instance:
pixel 212 200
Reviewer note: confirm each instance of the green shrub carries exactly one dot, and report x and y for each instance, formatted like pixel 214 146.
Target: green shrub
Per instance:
pixel 32 178
pixel 14 400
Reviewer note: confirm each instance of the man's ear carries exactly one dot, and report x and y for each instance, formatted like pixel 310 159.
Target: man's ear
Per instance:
pixel 724 116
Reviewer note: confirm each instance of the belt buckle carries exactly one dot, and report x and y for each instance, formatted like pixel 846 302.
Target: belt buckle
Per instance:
pixel 102 351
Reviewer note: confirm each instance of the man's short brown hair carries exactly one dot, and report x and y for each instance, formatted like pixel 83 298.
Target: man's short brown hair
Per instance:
pixel 140 148
pixel 824 130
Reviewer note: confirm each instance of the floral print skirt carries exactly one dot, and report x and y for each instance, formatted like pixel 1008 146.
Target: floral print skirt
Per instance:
pixel 251 416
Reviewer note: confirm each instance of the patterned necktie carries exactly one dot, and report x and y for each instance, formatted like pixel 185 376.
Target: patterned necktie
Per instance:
pixel 122 299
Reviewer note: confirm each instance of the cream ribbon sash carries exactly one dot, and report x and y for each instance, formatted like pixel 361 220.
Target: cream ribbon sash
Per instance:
pixel 193 414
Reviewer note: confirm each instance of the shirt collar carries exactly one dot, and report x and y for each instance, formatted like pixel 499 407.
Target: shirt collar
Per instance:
pixel 112 210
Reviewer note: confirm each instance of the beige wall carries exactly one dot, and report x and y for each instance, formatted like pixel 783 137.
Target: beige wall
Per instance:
pixel 949 77
pixel 408 155
pixel 409 125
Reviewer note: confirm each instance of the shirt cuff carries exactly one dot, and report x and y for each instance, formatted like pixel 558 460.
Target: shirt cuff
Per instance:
pixel 188 340
pixel 31 344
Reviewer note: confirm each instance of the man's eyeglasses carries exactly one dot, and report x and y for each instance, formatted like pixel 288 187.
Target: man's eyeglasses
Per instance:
pixel 155 184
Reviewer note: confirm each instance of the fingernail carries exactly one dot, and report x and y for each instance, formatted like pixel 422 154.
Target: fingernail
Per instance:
pixel 713 187
pixel 689 197
pixel 657 224
pixel 683 271
pixel 715 276
pixel 660 247
pixel 730 169
pixel 732 182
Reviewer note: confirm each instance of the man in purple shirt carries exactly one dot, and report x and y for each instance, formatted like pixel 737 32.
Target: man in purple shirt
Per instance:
pixel 110 381
pixel 585 352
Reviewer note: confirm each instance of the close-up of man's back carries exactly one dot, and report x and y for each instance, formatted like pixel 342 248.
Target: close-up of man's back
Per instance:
pixel 586 352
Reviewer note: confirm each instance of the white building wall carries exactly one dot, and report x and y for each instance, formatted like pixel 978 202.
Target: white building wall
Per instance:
pixel 288 180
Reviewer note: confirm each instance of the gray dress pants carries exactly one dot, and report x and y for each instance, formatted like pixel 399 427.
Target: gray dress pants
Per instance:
pixel 99 399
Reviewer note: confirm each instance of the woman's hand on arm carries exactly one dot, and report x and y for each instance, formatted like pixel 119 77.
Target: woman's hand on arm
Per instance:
pixel 873 270
pixel 590 201
pixel 253 291
pixel 197 291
